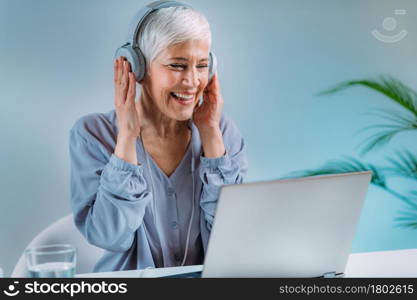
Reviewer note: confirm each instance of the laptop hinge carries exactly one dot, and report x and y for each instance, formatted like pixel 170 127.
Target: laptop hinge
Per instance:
pixel 329 275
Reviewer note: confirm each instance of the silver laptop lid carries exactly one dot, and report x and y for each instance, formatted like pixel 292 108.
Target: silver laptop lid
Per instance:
pixel 300 227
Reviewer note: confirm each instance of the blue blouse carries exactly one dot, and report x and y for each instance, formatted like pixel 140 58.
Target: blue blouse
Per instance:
pixel 113 200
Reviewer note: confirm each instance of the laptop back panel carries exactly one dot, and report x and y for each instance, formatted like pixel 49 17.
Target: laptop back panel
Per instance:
pixel 286 228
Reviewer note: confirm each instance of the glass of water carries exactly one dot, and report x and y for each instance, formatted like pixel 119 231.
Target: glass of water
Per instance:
pixel 51 261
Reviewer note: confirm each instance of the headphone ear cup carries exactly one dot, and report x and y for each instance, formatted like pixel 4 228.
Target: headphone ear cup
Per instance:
pixel 212 65
pixel 136 59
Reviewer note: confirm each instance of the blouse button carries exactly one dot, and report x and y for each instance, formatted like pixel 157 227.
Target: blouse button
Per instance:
pixel 171 192
pixel 174 225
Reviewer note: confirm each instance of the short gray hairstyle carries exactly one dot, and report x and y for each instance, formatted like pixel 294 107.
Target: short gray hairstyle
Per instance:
pixel 169 26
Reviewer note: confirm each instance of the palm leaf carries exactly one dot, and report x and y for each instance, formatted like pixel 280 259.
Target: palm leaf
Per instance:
pixel 345 165
pixel 381 138
pixel 394 89
pixel 394 116
pixel 409 200
pixel 399 124
pixel 414 193
pixel 404 165
pixel 408 218
pixel 349 164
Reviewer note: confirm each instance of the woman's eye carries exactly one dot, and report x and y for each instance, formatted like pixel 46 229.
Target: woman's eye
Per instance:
pixel 177 66
pixel 183 67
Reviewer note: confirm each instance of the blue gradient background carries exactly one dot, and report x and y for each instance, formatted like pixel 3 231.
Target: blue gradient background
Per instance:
pixel 56 60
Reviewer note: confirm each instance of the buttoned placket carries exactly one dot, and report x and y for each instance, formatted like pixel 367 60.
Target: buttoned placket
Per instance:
pixel 171 197
pixel 175 225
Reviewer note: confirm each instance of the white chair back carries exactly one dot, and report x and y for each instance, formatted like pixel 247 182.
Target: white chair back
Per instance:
pixel 63 231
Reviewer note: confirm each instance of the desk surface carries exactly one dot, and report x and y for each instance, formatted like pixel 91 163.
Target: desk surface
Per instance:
pixel 145 273
pixel 397 263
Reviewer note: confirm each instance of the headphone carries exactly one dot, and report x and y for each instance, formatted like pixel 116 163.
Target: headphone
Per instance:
pixel 131 51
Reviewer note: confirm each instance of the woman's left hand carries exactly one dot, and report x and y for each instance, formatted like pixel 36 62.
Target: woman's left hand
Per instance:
pixel 207 119
pixel 207 116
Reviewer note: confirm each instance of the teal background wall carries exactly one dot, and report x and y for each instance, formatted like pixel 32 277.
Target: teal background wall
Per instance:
pixel 274 56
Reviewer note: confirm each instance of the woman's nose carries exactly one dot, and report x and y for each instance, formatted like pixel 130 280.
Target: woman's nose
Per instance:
pixel 191 78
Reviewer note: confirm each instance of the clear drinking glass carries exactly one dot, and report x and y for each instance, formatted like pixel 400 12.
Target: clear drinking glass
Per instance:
pixel 51 261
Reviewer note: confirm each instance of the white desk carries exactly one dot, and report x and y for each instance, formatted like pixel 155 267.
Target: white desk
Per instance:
pixel 145 273
pixel 398 263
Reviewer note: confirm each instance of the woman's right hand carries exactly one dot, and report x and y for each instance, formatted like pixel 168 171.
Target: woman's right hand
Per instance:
pixel 124 100
pixel 127 111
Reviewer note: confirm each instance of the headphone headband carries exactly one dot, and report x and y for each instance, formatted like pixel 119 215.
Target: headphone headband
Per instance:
pixel 131 50
pixel 137 21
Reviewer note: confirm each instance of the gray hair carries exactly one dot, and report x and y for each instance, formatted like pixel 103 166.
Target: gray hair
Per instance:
pixel 169 26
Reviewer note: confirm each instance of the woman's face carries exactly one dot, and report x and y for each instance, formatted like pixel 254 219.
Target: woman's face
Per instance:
pixel 177 78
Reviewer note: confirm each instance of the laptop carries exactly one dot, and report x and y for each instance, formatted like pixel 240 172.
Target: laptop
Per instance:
pixel 301 227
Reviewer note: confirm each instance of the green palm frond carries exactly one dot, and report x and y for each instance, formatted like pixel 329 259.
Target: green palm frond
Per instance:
pixel 394 89
pixel 408 218
pixel 394 116
pixel 345 165
pixel 405 165
pixel 383 137
pixel 410 200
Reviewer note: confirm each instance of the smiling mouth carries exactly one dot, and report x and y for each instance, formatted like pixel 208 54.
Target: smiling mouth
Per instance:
pixel 182 97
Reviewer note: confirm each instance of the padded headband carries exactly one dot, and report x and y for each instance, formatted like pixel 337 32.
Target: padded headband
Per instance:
pixel 143 13
pixel 131 50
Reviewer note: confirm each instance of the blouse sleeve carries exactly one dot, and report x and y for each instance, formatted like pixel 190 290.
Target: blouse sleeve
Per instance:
pixel 227 169
pixel 108 195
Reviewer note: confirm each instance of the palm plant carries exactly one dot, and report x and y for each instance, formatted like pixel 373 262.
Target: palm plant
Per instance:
pixel 403 163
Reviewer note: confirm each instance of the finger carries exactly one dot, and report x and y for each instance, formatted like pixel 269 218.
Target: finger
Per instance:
pixel 215 83
pixel 115 71
pixel 125 82
pixel 211 84
pixel 123 69
pixel 117 77
pixel 132 89
pixel 206 98
pixel 128 66
pixel 213 91
pixel 119 70
pixel 218 94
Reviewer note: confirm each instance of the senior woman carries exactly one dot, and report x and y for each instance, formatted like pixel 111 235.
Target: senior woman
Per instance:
pixel 145 177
